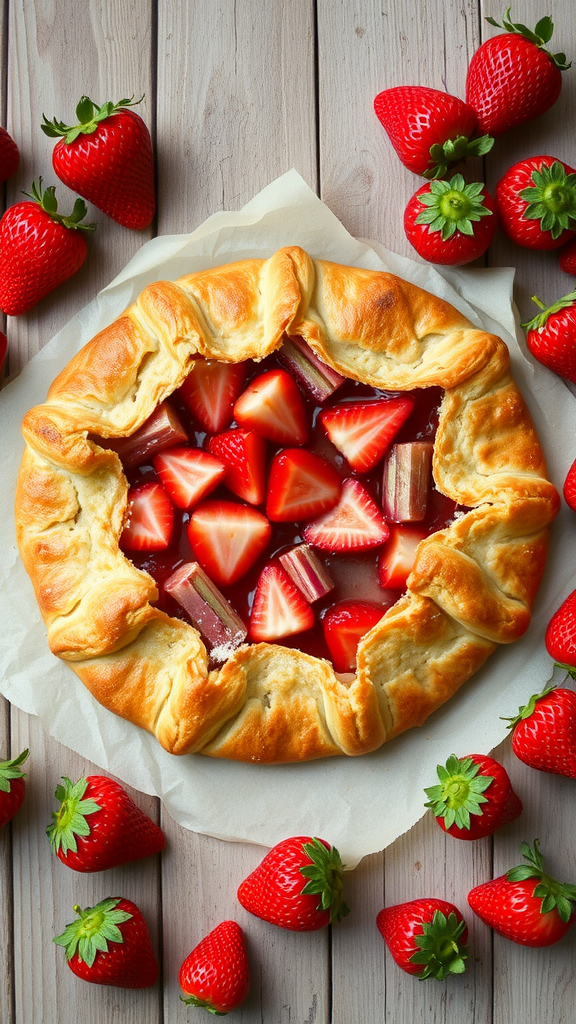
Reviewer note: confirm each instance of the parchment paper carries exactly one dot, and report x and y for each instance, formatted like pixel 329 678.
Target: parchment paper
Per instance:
pixel 359 804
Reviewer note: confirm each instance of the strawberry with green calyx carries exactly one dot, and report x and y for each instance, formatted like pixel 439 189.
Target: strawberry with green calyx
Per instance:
pixel 569 488
pixel 107 158
pixel 450 222
pixel 12 787
pixel 526 905
pixel 216 974
pixel 98 826
pixel 109 944
pixel 544 730
pixel 551 336
pixel 426 937
pixel 39 248
pixel 473 798
pixel 277 890
pixel 536 202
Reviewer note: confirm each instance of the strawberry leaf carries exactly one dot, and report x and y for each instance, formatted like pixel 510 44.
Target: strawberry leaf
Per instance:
pixel 452 206
pixel 325 874
pixel 11 770
pixel 439 949
pixel 460 792
pixel 559 896
pixel 93 930
pixel 542 34
pixel 70 820
pixel 540 319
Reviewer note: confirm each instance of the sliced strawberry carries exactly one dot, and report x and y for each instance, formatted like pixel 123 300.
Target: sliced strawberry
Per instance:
pixel 362 431
pixel 210 390
pixel 243 452
pixel 344 626
pixel 149 519
pixel 273 406
pixel 301 486
pixel 279 608
pixel 188 474
pixel 227 538
pixel 355 524
pixel 397 556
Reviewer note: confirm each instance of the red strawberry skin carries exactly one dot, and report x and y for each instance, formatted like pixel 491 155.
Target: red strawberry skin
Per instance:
pixel 216 974
pixel 511 206
pixel 560 635
pixel 416 118
pixel 401 924
pixel 129 963
pixel 512 910
pixel 544 734
pixel 510 80
pixel 569 489
pixel 118 830
pixel 37 254
pixel 9 156
pixel 243 452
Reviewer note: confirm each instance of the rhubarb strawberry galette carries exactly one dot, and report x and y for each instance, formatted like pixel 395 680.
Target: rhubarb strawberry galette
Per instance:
pixel 282 509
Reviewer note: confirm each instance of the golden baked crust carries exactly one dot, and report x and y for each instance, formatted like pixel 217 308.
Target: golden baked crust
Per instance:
pixel 472 585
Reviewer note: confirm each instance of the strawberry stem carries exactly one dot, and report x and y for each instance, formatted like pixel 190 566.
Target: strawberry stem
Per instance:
pixel 89 115
pixel 541 35
pixel 560 896
pixel 460 792
pixel 325 874
pixel 551 198
pixel 93 930
pixel 70 820
pixel 439 948
pixel 11 770
pixel 455 151
pixel 540 319
pixel 47 200
pixel 452 206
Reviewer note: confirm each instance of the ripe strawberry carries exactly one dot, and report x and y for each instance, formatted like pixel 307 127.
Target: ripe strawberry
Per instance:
pixel 216 974
pixel 426 937
pixel 39 248
pixel 108 159
pixel 210 390
pixel 227 538
pixel 560 635
pixel 279 608
pixel 544 732
pixel 273 406
pixel 551 336
pixel 243 453
pixel 301 486
pixel 188 474
pixel 354 524
pixel 473 798
pixel 569 489
pixel 429 129
pixel 344 626
pixel 109 944
pixel 536 202
pixel 526 905
pixel 98 826
pixel 275 890
pixel 149 519
pixel 512 78
pixel 567 261
pixel 9 156
pixel 12 787
pixel 450 223
pixel 397 556
pixel 362 431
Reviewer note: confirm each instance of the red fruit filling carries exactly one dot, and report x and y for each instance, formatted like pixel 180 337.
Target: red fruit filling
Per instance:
pixel 285 506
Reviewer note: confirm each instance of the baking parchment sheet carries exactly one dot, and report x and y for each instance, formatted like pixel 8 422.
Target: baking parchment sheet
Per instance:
pixel 359 804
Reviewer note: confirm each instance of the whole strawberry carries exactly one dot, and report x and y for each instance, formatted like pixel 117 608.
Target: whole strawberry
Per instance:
pixel 474 797
pixel 536 202
pixel 9 155
pixel 277 890
pixel 551 336
pixel 109 944
pixel 569 489
pixel 426 937
pixel 560 637
pixel 12 787
pixel 429 129
pixel 98 826
pixel 544 732
pixel 39 248
pixel 512 78
pixel 216 974
pixel 107 158
pixel 526 905
pixel 567 260
pixel 449 222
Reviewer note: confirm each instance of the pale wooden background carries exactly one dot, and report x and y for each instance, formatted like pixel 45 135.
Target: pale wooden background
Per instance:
pixel 236 93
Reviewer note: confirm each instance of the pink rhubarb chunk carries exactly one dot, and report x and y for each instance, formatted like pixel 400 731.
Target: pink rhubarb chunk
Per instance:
pixel 318 379
pixel 406 483
pixel 215 619
pixel 307 571
pixel 161 430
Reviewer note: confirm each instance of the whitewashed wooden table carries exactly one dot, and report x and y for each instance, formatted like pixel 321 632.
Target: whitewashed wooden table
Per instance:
pixel 237 92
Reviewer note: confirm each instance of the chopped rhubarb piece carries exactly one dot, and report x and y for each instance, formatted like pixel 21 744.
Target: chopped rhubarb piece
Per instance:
pixel 406 483
pixel 307 571
pixel 301 486
pixel 210 390
pixel 318 380
pixel 243 452
pixel 161 430
pixel 215 619
pixel 397 556
pixel 149 519
pixel 355 524
pixel 273 406
pixel 344 626
pixel 363 431
pixel 227 538
pixel 188 474
pixel 279 608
